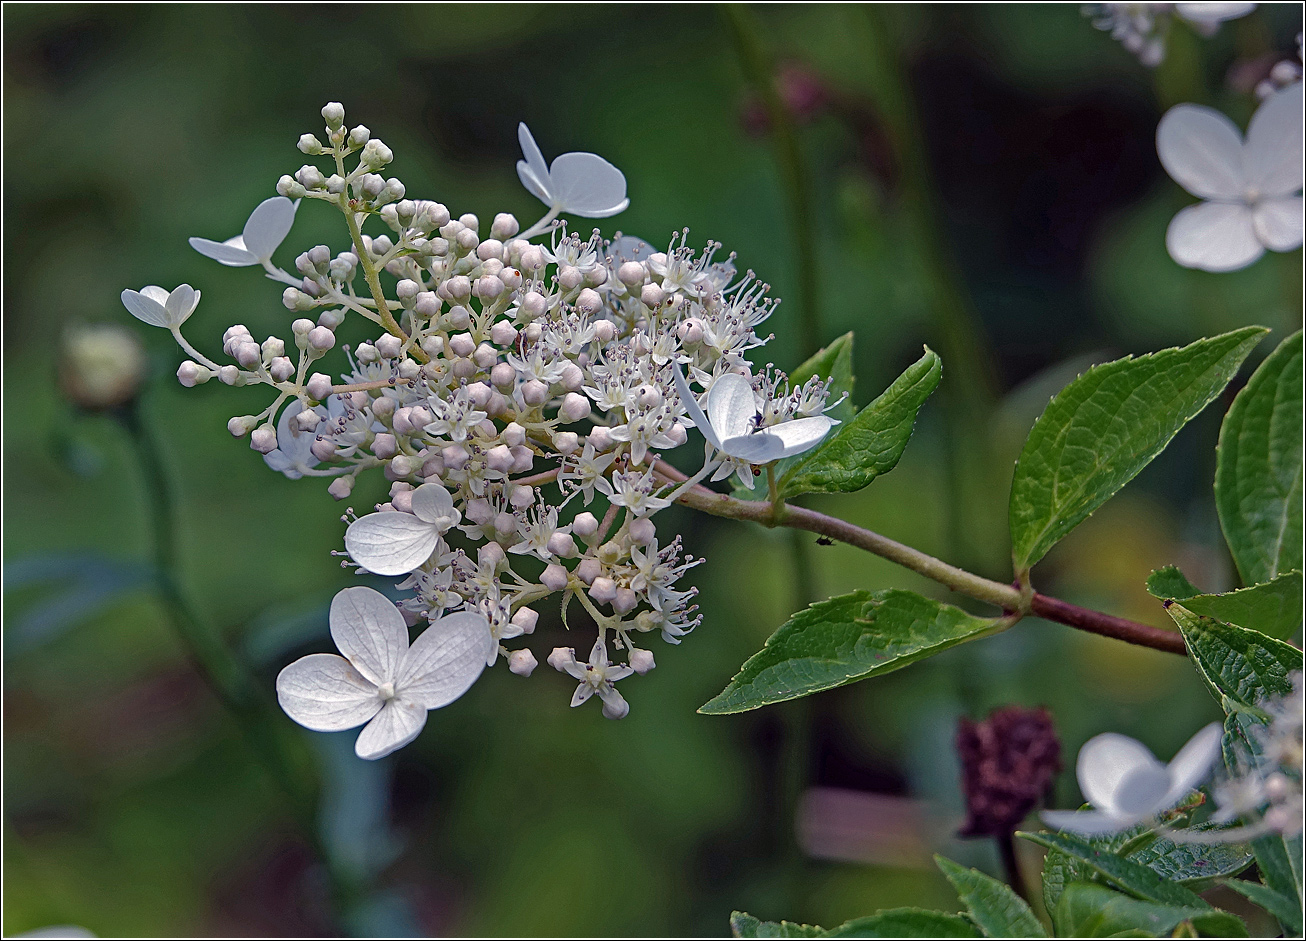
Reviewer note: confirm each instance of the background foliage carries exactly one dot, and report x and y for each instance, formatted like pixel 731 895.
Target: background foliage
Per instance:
pixel 132 805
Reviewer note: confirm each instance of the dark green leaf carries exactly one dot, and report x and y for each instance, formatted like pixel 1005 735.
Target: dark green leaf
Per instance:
pixel 869 445
pixel 1287 910
pixel 1193 862
pixel 1088 910
pixel 844 639
pixel 1258 477
pixel 1274 608
pixel 890 923
pixel 744 925
pixel 1170 583
pixel 1061 869
pixel 994 907
pixel 1279 860
pixel 1105 427
pixel 1243 665
pixel 1134 878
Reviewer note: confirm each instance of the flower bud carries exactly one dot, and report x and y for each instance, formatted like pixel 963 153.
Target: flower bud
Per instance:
pixel 231 375
pixel 585 525
pixel 652 295
pixel 589 302
pixel 625 601
pixel 588 570
pixel 499 459
pixel 333 112
pixel 264 438
pixel 384 446
pixel 677 434
pixel 566 442
pixel 642 531
pixel 574 407
pixel 503 333
pixel 532 258
pixel 562 545
pixel 603 589
pixel 491 554
pixel 561 658
pixel 383 408
pixel 641 661
pixel 605 331
pixel 192 374
pixel 554 577
pixel 455 456
pixel 318 386
pixel 616 707
pixel 485 356
pixel 324 449
pixel 522 459
pixel 600 438
pixel 389 346
pixel 522 662
pixel 534 392
pixel 533 305
pixel 341 487
pixel 504 226
pixel 525 618
pixel 631 273
pixel 241 425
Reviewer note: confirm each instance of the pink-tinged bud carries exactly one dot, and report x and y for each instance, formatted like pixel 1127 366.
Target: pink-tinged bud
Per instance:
pixel 433 468
pixel 600 438
pixel 589 302
pixel 263 439
pixel 647 396
pixel 497 407
pixel 307 420
pixel 320 338
pixel 574 407
pixel 534 392
pixel 459 317
pixel 603 589
pixel 462 344
pixel 588 570
pixel 572 377
pixel 505 524
pixel 401 422
pixel 514 435
pixel 677 434
pixel 522 662
pixel 504 226
pixel 463 369
pixel 384 446
pixel 522 459
pixel 479 511
pixel 522 496
pixel 407 289
pixel 566 442
pixel 625 601
pixel 192 374
pixel 426 304
pixel 341 487
pixel 459 288
pixel 691 331
pixel 631 273
pixel 281 368
pixel 652 295
pixel 605 331
pixel 525 618
pixel 533 305
pixel 389 346
pixel 561 658
pixel 503 333
pixel 479 393
pixel 585 525
pixel 596 275
pixel 319 386
pixel 324 449
pixel 570 277
pixel 503 375
pixel 249 355
pixel 642 531
pixel 403 501
pixel 641 661
pixel 488 287
pixel 511 278
pixel 241 425
pixel 383 408
pixel 403 465
pixel 616 707
pixel 554 577
pixel 487 429
pixel 532 258
pixel 562 545
pixel 491 554
pixel 455 456
pixel 485 356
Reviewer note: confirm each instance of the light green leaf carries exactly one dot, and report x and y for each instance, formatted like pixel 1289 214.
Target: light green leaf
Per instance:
pixel 1239 664
pixel 869 445
pixel 1170 584
pixel 1106 426
pixel 1088 910
pixel 1273 608
pixel 1132 877
pixel 844 639
pixel 1287 910
pixel 993 906
pixel 1258 477
pixel 890 923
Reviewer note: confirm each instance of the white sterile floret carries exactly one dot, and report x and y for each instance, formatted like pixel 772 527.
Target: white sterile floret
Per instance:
pixel 160 308
pixel 731 426
pixel 267 226
pixel 381 680
pixel 1127 785
pixel 581 184
pixel 293 455
pixel 395 543
pixel 1249 186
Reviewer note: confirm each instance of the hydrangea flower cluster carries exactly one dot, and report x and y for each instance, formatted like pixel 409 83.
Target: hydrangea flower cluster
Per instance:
pixel 512 384
pixel 1142 27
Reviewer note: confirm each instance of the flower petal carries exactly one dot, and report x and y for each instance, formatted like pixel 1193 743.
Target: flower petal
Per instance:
pixel 145 308
pixel 232 252
pixel 445 660
pixel 432 504
pixel 587 185
pixel 397 724
pixel 731 406
pixel 268 226
pixel 1272 155
pixel 1213 237
pixel 614 704
pixel 760 448
pixel 1202 149
pixel 695 413
pixel 1086 822
pixel 325 693
pixel 629 248
pixel 1192 764
pixel 801 434
pixel 1213 13
pixel 181 304
pixel 1141 791
pixel 583 692
pixel 1103 763
pixel 1278 223
pixel 390 543
pixel 370 632
pixel 534 158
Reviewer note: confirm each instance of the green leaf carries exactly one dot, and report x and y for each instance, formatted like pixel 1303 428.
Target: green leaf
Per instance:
pixel 1287 910
pixel 1273 608
pixel 1280 862
pixel 1193 863
pixel 1132 877
pixel 1258 477
pixel 1239 664
pixel 844 639
pixel 1061 869
pixel 890 923
pixel 870 445
pixel 1088 910
pixel 994 907
pixel 1170 584
pixel 1106 426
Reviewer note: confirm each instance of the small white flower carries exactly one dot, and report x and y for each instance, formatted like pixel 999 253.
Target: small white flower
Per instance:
pixel 160 308
pixel 597 676
pixel 381 680
pixel 1127 785
pixel 1248 186
pixel 581 184
pixel 731 425
pixel 265 229
pixel 395 543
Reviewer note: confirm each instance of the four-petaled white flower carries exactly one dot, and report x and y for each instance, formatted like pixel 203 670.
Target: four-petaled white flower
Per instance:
pixel 597 676
pixel 731 423
pixel 381 680
pixel 581 184
pixel 160 308
pixel 265 229
pixel 395 543
pixel 1248 186
pixel 1127 785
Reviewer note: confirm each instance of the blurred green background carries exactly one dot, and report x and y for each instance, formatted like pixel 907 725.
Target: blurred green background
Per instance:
pixel 133 804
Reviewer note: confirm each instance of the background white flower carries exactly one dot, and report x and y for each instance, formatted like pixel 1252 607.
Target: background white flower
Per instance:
pixel 581 184
pixel 1127 785
pixel 293 455
pixel 160 308
pixel 265 229
pixel 381 680
pixel 1249 186
pixel 395 543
